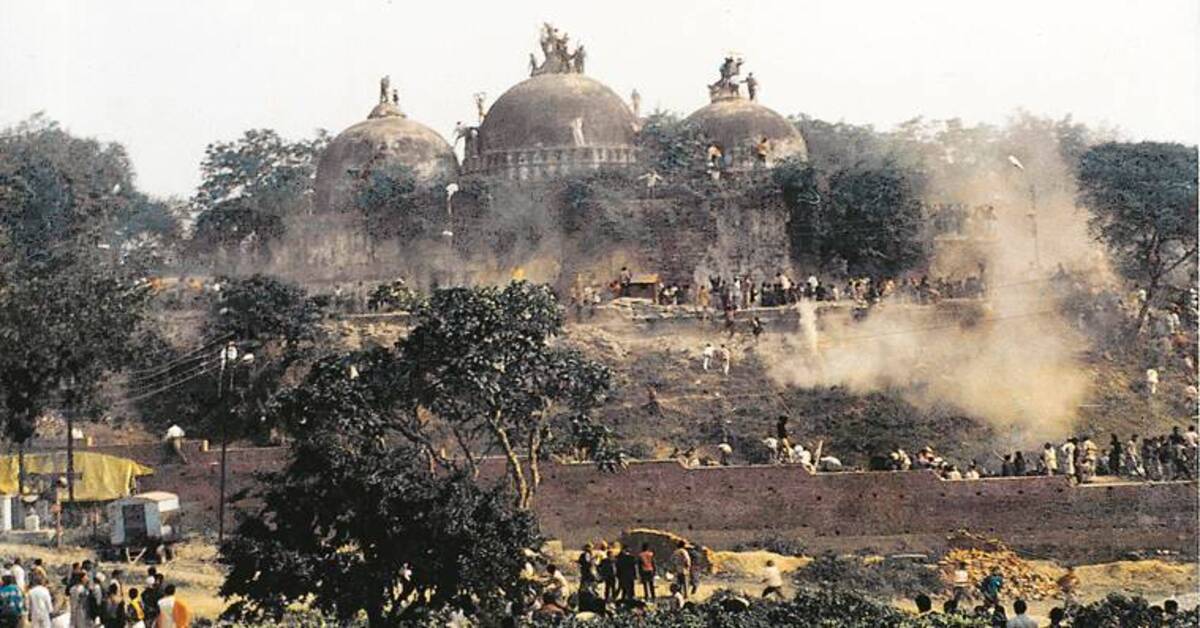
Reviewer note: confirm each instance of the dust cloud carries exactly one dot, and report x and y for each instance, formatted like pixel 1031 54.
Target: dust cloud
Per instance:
pixel 1012 359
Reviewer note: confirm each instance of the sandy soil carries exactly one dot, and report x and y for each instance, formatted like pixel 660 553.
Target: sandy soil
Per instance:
pixel 195 572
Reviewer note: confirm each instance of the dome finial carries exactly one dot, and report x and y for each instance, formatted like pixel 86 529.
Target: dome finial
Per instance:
pixel 384 88
pixel 727 87
pixel 389 100
pixel 557 60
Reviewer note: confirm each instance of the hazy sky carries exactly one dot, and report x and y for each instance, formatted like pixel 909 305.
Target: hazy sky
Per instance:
pixel 167 77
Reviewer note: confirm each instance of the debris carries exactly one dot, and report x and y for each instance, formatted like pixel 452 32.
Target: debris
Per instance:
pixel 1022 578
pixel 663 543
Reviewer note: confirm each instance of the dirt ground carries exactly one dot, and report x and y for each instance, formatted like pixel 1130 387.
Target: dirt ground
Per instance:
pixel 198 576
pixel 195 572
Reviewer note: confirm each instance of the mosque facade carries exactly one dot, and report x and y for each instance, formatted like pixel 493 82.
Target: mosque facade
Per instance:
pixel 556 124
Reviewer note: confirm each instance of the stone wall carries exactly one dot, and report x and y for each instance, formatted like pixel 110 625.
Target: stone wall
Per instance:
pixel 724 506
pixel 882 511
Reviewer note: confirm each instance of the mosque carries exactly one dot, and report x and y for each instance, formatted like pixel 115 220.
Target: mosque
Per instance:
pixel 556 124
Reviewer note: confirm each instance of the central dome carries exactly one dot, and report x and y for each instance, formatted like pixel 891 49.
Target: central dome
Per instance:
pixel 541 112
pixel 556 122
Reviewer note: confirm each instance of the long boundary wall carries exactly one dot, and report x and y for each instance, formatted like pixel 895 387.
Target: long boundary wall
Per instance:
pixel 883 511
pixel 724 506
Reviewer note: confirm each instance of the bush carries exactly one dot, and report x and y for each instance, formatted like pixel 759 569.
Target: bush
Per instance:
pixel 394 296
pixel 809 609
pixel 1118 611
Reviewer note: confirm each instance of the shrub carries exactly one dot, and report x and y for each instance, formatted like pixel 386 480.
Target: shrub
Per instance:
pixel 1118 611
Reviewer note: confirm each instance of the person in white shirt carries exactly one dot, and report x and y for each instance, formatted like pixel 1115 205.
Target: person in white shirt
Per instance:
pixel 558 582
pixel 166 608
pixel 1049 459
pixel 1068 456
pixel 709 353
pixel 677 599
pixel 174 440
pixel 18 573
pixel 79 597
pixel 40 603
pixel 962 580
pixel 1020 619
pixel 773 580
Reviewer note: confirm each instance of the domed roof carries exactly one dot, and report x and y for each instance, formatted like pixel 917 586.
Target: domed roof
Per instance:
pixel 543 111
pixel 386 137
pixel 737 122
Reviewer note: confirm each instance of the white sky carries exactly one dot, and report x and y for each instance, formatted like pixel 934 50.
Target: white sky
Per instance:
pixel 167 77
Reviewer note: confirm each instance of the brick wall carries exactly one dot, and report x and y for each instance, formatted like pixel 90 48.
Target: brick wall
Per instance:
pixel 902 511
pixel 722 506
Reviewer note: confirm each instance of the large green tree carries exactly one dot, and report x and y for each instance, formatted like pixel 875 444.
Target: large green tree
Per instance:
pixel 355 523
pixel 483 361
pixel 248 186
pixel 1143 202
pixel 68 301
pixel 874 220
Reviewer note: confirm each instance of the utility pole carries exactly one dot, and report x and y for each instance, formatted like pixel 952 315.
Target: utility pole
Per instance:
pixel 69 411
pixel 228 355
pixel 229 360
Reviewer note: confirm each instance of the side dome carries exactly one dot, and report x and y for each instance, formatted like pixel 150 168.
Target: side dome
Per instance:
pixel 746 132
pixel 386 137
pixel 555 122
pixel 739 125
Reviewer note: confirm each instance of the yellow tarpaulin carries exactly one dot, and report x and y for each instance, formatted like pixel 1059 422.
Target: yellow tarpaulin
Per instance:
pixel 98 477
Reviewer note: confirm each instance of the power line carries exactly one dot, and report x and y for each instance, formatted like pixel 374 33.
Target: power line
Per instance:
pixel 150 371
pixel 130 400
pixel 136 388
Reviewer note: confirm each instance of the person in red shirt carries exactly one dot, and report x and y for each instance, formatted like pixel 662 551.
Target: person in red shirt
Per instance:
pixel 646 570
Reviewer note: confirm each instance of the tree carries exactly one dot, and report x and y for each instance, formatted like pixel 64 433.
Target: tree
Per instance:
pixel 672 147
pixel 1143 202
pixel 68 305
pixel 798 185
pixel 482 361
pixel 352 513
pixel 249 184
pixel 875 220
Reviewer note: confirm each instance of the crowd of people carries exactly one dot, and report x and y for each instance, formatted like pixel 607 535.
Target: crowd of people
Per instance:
pixel 957 219
pixel 620 579
pixel 85 596
pixel 615 578
pixel 742 292
pixel 1157 458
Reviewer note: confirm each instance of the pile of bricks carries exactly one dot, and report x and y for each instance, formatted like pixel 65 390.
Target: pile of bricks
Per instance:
pixel 1022 579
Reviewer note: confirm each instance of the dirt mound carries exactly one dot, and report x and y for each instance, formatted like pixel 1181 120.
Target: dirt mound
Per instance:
pixel 1022 578
pixel 1142 577
pixel 663 544
pixel 750 564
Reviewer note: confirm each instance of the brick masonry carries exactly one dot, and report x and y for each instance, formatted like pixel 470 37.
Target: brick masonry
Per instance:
pixel 724 506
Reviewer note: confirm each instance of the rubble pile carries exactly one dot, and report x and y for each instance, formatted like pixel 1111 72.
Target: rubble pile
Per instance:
pixel 1022 578
pixel 663 543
